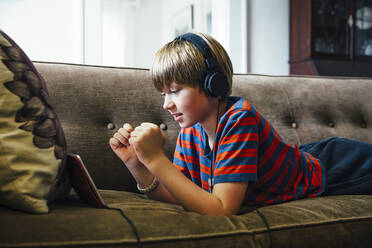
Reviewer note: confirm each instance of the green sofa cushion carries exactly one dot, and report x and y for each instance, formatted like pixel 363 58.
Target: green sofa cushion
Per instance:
pixel 337 221
pixel 32 142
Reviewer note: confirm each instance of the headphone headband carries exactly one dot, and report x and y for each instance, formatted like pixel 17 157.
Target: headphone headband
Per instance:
pixel 215 82
pixel 203 47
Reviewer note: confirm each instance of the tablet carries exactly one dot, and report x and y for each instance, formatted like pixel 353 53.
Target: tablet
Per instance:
pixel 82 182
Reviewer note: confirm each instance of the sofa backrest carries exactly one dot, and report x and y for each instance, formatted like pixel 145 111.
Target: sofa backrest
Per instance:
pixel 92 102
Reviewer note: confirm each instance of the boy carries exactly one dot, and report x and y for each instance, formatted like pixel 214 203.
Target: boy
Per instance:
pixel 227 154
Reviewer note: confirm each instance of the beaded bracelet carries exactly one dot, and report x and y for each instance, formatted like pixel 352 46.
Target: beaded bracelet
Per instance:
pixel 149 188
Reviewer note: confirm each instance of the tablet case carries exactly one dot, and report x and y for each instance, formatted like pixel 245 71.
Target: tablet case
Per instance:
pixel 82 182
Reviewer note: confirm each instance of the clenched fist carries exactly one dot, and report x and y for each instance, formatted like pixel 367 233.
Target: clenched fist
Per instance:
pixel 148 140
pixel 119 143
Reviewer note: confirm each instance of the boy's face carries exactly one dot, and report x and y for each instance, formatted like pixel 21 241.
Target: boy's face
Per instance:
pixel 187 105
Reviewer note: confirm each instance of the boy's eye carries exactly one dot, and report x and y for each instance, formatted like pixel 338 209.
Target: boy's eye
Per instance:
pixel 174 91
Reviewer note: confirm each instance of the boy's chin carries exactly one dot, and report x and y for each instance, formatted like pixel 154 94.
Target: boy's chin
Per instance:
pixel 182 125
pixel 185 125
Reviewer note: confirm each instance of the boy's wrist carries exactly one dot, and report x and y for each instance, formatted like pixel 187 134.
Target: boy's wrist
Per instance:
pixel 158 163
pixel 149 188
pixel 140 173
pixel 137 167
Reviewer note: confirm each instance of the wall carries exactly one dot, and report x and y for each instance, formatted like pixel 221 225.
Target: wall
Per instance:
pixel 227 25
pixel 171 7
pixel 268 33
pixel 149 32
pixel 129 32
pixel 238 35
pixel 48 30
pixel 258 45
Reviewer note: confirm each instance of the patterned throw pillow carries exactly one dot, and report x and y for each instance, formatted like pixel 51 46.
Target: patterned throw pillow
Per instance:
pixel 32 143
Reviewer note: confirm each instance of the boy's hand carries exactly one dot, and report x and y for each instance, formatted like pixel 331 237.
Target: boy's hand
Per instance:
pixel 120 145
pixel 148 140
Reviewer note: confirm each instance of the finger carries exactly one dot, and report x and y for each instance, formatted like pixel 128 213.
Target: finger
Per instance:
pixel 114 143
pixel 120 138
pixel 135 133
pixel 128 127
pixel 145 126
pixel 132 141
pixel 148 124
pixel 124 133
pixel 138 130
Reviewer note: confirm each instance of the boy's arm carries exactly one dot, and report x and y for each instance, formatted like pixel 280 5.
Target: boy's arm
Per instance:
pixel 225 199
pixel 121 147
pixel 144 178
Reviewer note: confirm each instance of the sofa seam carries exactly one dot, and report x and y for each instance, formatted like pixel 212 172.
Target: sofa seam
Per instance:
pixel 291 112
pixel 88 65
pixel 237 74
pixel 304 76
pixel 262 231
pixel 186 237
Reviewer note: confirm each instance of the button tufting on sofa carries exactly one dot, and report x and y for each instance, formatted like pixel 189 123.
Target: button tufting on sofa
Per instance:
pixel 163 126
pixel 110 126
pixel 331 124
pixel 294 125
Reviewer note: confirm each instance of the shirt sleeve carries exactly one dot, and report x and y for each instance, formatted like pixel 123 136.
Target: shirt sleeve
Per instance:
pixel 237 151
pixel 179 159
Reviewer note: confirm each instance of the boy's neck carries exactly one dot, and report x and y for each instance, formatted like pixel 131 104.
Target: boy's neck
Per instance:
pixel 209 126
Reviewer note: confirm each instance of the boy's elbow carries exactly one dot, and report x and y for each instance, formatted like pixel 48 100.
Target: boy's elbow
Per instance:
pixel 215 210
pixel 220 212
pixel 225 212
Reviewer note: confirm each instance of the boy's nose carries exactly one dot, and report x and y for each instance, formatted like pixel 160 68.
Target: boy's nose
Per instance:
pixel 168 104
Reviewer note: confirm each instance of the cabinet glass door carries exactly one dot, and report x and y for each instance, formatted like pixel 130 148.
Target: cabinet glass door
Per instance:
pixel 330 29
pixel 363 28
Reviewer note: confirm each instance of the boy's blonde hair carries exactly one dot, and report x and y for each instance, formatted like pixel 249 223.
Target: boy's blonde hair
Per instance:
pixel 181 62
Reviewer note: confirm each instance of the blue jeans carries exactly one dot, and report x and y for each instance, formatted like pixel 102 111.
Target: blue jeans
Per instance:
pixel 348 165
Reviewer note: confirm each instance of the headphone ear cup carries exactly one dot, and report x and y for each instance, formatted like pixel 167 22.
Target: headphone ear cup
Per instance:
pixel 207 86
pixel 216 84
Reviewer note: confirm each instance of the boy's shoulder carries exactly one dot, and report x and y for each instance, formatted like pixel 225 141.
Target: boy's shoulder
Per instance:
pixel 239 106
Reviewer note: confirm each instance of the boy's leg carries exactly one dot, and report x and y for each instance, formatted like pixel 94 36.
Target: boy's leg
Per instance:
pixel 348 165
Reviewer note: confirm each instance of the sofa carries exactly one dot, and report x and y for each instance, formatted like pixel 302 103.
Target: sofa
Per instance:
pixel 92 102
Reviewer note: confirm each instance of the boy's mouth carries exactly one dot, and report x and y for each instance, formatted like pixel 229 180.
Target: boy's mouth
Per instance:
pixel 176 116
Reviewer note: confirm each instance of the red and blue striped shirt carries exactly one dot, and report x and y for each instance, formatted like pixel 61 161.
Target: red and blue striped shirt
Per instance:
pixel 248 148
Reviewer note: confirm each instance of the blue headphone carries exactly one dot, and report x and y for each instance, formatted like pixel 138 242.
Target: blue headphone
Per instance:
pixel 215 82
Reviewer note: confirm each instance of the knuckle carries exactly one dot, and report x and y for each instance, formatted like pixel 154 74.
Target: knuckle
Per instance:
pixel 118 136
pixel 127 126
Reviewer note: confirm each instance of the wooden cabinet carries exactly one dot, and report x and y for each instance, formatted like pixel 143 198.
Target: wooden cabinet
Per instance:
pixel 331 37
